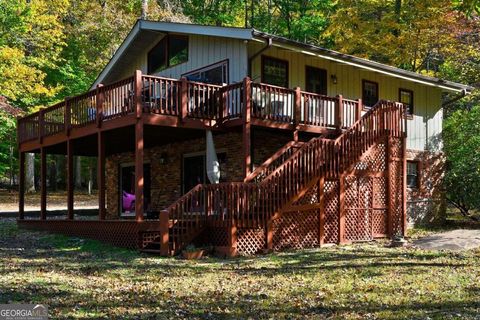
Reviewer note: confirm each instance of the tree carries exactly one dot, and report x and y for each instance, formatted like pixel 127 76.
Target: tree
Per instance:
pixel 462 146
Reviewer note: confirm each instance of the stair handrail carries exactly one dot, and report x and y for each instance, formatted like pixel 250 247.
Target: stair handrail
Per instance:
pixel 265 166
pixel 319 157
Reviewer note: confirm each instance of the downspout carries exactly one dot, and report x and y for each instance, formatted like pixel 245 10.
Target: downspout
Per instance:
pixel 268 44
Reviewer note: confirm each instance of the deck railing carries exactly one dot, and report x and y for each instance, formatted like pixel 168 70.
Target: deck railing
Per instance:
pixel 187 99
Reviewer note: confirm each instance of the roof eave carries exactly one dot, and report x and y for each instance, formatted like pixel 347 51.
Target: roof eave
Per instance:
pixel 361 63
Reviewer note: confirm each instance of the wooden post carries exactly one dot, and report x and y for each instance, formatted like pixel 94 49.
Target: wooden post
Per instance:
pixel 100 99
pixel 21 187
pixel 184 99
pixel 101 174
pixel 269 235
pixel 41 125
pixel 67 117
pixel 139 170
pixel 138 87
pixel 339 112
pixel 298 112
pixel 388 196
pixel 359 109
pixel 70 184
pixel 43 184
pixel 404 182
pixel 321 220
pixel 341 210
pixel 232 239
pixel 247 157
pixel 164 227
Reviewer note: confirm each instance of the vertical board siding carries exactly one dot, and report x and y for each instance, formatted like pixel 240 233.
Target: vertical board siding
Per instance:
pixel 426 123
pixel 202 51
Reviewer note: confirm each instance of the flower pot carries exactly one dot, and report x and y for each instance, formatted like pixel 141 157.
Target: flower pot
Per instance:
pixel 191 255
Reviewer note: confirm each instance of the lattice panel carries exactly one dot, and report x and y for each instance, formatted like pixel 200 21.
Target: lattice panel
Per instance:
pixel 331 211
pixel 310 197
pixel 250 241
pixel 374 159
pixel 217 236
pixel 396 194
pixel 395 148
pixel 379 222
pixel 296 230
pixel 118 233
pixel 379 192
pixel 358 199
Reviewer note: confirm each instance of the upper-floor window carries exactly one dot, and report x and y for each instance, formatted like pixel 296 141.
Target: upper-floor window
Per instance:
pixel 170 51
pixel 275 71
pixel 369 93
pixel 316 80
pixel 216 73
pixel 406 97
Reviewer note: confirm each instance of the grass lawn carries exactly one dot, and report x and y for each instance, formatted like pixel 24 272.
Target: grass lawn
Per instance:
pixel 81 279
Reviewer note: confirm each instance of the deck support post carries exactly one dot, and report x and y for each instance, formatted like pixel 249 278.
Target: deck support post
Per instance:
pixel 101 174
pixel 21 187
pixel 43 184
pixel 321 218
pixel 138 147
pixel 247 157
pixel 298 112
pixel 232 238
pixel 404 178
pixel 70 184
pixel 341 210
pixel 269 235
pixel 164 226
pixel 388 196
pixel 139 182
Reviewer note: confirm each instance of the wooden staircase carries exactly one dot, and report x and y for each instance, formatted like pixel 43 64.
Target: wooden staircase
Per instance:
pixel 278 183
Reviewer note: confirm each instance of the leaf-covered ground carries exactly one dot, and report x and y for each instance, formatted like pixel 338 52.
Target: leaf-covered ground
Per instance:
pixel 55 200
pixel 80 279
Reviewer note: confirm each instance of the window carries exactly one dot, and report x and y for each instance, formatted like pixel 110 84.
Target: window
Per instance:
pixel 170 51
pixel 369 93
pixel 413 180
pixel 406 97
pixel 127 189
pixel 275 71
pixel 215 74
pixel 316 80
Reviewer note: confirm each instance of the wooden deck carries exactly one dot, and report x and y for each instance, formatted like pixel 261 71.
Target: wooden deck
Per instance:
pixel 351 188
pixel 183 104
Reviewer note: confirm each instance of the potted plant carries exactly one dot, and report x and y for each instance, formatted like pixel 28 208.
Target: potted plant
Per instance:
pixel 191 252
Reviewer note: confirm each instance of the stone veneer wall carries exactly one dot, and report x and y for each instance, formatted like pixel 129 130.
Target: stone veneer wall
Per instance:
pixel 426 204
pixel 166 178
pixel 266 142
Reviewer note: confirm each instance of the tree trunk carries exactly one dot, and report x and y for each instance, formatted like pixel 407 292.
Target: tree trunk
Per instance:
pixel 30 173
pixel 90 178
pixel 53 172
pixel 78 172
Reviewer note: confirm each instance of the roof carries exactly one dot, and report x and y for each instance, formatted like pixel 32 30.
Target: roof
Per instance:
pixel 144 32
